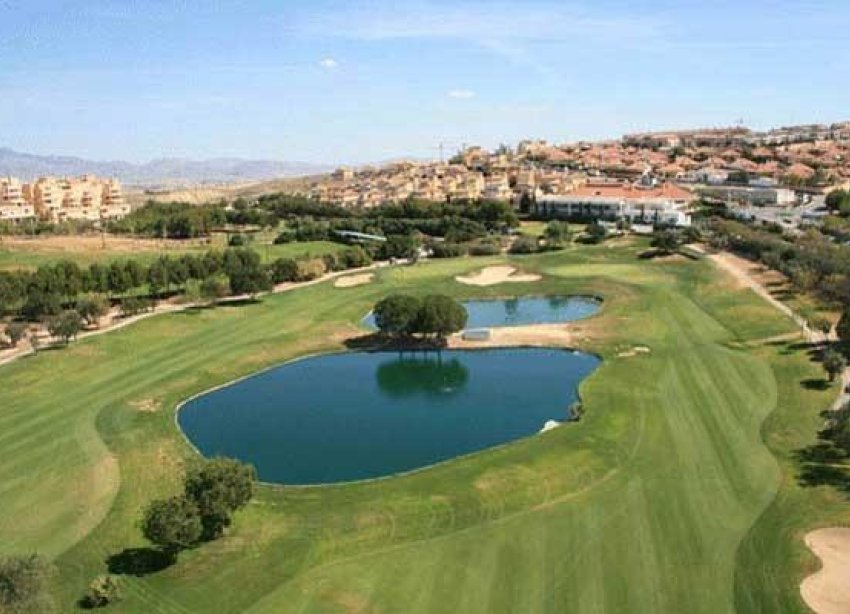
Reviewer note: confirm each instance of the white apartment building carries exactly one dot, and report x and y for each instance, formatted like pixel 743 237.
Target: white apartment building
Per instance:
pixel 13 206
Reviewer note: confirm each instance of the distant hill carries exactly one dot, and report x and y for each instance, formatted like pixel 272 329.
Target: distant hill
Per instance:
pixel 164 172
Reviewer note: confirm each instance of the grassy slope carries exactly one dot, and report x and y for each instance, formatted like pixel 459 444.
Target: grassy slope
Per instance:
pixel 640 507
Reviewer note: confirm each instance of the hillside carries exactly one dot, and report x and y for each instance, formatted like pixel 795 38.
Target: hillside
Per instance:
pixel 163 172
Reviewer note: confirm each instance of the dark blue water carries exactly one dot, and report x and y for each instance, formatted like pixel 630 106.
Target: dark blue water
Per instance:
pixel 521 311
pixel 364 415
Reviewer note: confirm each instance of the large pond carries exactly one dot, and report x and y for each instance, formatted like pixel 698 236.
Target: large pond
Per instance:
pixel 352 416
pixel 522 311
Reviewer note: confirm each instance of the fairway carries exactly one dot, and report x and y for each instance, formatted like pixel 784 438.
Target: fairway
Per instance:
pixel 676 492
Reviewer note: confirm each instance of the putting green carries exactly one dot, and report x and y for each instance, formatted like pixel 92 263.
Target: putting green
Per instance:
pixel 664 498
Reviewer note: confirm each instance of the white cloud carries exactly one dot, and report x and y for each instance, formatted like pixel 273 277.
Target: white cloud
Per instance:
pixel 329 63
pixel 461 94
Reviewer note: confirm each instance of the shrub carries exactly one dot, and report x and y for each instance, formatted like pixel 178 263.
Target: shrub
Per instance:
pixel 15 331
pixel 92 308
pixel 485 249
pixel 310 269
pixel 134 305
pixel 284 269
pixel 237 240
pixel 524 245
pixel 448 250
pixel 101 592
pixel 355 258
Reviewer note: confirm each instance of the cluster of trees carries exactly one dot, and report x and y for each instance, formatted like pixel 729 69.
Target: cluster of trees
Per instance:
pixel 811 261
pixel 171 220
pixel 403 315
pixel 212 491
pixel 65 291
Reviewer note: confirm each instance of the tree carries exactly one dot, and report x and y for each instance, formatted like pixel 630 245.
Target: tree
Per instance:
pixel 173 524
pixel 596 232
pixel 24 584
pixel 557 233
pixel 214 288
pixel 158 277
pixel 245 271
pixel 66 325
pixel 218 488
pixel 92 308
pixel 834 363
pixel 835 199
pixel 102 591
pixel 35 342
pixel 15 331
pixel 842 329
pixel 440 315
pixel 397 314
pixel 118 279
pixel 666 241
pixel 401 246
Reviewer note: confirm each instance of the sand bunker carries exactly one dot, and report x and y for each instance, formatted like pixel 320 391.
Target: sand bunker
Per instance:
pixel 493 275
pixel 828 591
pixel 353 280
pixel 550 424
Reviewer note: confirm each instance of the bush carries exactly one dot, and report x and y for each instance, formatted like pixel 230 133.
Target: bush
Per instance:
pixel 283 270
pixel 15 331
pixel 66 325
pixel 448 250
pixel 214 288
pixel 485 249
pixel 92 308
pixel 237 240
pixel 355 258
pixel 101 592
pixel 595 233
pixel 309 270
pixel 134 305
pixel 524 245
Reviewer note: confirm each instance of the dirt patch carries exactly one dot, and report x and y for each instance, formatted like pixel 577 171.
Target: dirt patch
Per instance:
pixel 828 591
pixel 90 243
pixel 354 280
pixel 635 351
pixel 538 335
pixel 149 405
pixel 493 275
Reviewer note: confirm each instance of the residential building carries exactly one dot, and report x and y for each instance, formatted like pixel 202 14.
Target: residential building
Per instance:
pixel 13 206
pixel 612 200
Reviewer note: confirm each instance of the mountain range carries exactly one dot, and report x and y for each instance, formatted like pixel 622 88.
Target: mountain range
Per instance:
pixel 156 173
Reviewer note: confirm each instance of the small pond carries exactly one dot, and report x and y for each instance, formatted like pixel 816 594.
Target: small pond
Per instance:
pixel 489 313
pixel 360 415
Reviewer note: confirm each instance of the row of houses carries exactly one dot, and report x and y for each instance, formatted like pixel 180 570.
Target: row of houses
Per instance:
pixel 54 200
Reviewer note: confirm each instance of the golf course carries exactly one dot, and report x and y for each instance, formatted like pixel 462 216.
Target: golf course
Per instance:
pixel 685 487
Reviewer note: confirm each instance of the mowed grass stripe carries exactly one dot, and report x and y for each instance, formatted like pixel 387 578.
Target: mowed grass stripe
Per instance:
pixel 576 520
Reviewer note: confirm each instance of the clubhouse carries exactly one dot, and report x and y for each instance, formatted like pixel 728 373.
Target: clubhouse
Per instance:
pixel 606 199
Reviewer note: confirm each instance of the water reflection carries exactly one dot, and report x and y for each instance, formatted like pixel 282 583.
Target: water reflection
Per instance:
pixel 429 375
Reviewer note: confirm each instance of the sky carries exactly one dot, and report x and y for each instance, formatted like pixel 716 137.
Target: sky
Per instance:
pixel 373 80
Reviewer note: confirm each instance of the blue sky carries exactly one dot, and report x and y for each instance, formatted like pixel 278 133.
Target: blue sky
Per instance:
pixel 367 81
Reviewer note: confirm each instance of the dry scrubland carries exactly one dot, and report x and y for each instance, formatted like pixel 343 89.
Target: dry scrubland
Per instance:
pixel 685 488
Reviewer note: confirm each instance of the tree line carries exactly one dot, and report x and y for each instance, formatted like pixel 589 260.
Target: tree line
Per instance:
pixel 69 296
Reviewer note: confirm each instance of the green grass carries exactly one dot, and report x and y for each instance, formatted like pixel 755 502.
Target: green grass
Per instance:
pixel 32 258
pixel 677 492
